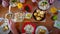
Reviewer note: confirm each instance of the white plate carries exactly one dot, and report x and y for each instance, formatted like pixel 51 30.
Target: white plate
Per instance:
pixel 1 29
pixel 43 7
pixel 27 16
pixel 42 27
pixel 19 17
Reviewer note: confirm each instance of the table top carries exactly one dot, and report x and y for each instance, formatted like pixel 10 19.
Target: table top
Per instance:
pixel 49 23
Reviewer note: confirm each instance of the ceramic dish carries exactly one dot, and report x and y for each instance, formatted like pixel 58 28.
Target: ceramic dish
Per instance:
pixel 39 15
pixel 28 15
pixel 28 28
pixel 5 3
pixel 19 17
pixel 27 7
pixel 42 29
pixel 43 5
pixel 4 29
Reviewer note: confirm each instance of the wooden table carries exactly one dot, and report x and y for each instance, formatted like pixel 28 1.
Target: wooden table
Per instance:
pixel 49 23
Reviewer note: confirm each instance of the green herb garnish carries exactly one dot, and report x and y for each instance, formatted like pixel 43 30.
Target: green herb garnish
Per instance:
pixel 54 18
pixel 44 3
pixel 26 8
pixel 14 0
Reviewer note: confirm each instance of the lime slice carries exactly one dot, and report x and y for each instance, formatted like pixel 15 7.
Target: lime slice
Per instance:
pixel 55 17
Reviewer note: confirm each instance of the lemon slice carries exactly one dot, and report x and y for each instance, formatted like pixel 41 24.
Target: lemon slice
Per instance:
pixel 53 10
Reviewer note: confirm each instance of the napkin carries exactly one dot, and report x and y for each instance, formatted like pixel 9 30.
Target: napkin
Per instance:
pixel 57 24
pixel 1 29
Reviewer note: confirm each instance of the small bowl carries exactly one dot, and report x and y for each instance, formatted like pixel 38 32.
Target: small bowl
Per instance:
pixel 43 7
pixel 27 7
pixel 28 17
pixel 41 19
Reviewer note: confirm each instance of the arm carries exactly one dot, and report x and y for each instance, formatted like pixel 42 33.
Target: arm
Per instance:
pixel 12 27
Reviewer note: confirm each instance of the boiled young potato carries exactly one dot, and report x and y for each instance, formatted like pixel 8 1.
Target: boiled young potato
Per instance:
pixel 42 12
pixel 42 15
pixel 5 28
pixel 35 14
pixel 41 31
pixel 38 11
pixel 38 18
pixel 39 14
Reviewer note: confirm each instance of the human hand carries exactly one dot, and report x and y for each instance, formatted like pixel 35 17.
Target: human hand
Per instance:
pixel 12 27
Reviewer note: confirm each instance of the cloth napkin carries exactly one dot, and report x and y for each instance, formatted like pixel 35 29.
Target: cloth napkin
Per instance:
pixel 57 24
